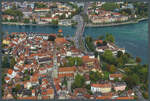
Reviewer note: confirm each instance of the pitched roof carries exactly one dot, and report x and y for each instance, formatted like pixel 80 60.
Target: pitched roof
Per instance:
pixel 115 75
pixel 7 78
pixel 126 97
pixel 100 41
pixel 50 91
pixel 101 85
pixel 104 97
pixel 65 75
pixel 45 97
pixel 67 69
pixel 28 98
pixel 60 40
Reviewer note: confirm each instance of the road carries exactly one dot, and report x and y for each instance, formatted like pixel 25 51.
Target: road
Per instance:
pixel 138 93
pixel 50 74
pixel 78 38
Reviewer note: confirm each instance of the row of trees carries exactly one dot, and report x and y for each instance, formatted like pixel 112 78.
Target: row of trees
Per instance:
pixel 79 82
pixel 141 9
pixel 110 6
pixel 137 75
pixel 89 43
pixel 73 61
pixel 40 5
pixel 8 63
pixel 15 13
pixel 107 38
pixel 119 60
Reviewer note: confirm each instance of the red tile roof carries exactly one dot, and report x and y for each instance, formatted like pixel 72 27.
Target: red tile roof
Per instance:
pixel 7 78
pixel 60 40
pixel 65 75
pixel 50 91
pixel 104 97
pixel 116 13
pixel 45 97
pixel 67 69
pixel 28 98
pixel 100 41
pixel 124 98
pixel 115 75
pixel 101 85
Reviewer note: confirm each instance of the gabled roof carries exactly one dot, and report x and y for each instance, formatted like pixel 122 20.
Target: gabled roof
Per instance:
pixel 50 91
pixel 67 69
pixel 65 75
pixel 105 85
pixel 124 98
pixel 61 40
pixel 115 75
pixel 104 97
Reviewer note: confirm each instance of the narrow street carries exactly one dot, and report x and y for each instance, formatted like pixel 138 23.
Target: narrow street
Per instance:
pixel 50 74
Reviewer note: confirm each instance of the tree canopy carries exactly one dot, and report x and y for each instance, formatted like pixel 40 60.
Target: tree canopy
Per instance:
pixel 14 13
pixel 79 81
pixel 110 6
pixel 95 76
pixel 109 38
pixel 40 5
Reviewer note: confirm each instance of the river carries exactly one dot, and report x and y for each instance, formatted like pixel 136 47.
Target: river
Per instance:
pixel 132 37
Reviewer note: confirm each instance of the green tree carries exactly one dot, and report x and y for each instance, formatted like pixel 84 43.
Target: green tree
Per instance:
pixel 79 81
pixel 89 43
pixel 65 81
pixel 106 75
pixel 15 13
pixel 26 21
pixel 145 95
pixel 12 62
pixel 112 69
pixel 31 72
pixel 3 78
pixel 72 61
pixel 5 62
pixel 16 88
pixel 119 53
pixel 132 80
pixel 110 38
pixel 108 57
pixel 40 5
pixel 95 76
pixel 125 58
pixel 55 22
pixel 110 6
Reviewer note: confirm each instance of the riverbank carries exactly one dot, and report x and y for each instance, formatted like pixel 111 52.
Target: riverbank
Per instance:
pixel 116 24
pixel 88 25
